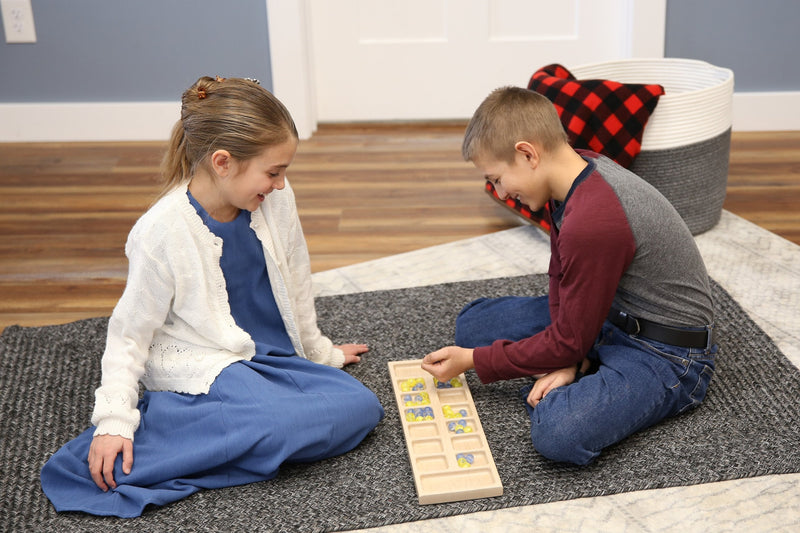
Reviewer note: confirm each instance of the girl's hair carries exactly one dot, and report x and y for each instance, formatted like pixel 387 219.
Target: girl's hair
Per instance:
pixel 509 115
pixel 233 114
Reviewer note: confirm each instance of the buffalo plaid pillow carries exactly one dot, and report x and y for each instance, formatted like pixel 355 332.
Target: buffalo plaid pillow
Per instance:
pixel 603 116
pixel 539 217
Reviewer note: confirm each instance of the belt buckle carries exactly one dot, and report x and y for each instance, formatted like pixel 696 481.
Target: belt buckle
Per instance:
pixel 709 337
pixel 628 321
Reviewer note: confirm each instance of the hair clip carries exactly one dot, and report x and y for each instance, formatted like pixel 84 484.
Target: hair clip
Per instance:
pixel 220 79
pixel 253 80
pixel 201 93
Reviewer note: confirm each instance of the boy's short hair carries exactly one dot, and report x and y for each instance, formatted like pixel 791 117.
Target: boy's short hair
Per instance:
pixel 509 115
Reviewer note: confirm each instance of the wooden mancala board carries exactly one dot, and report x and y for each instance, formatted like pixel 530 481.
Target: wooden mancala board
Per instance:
pixel 447 447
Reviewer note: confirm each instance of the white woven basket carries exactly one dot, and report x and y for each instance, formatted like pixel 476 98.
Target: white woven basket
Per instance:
pixel 686 142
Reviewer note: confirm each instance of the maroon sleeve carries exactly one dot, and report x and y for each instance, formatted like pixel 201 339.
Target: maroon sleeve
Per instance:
pixel 589 254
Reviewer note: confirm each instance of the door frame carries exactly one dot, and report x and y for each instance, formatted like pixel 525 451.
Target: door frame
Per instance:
pixel 293 64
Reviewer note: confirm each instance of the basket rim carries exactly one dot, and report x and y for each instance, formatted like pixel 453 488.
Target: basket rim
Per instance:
pixel 727 76
pixel 680 117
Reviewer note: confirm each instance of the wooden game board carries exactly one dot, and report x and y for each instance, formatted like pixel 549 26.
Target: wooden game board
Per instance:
pixel 449 454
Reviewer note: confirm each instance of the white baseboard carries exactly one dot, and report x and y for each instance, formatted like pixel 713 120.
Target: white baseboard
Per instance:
pixel 153 121
pixel 766 111
pixel 78 122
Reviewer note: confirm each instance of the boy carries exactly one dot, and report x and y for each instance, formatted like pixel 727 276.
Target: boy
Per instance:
pixel 624 338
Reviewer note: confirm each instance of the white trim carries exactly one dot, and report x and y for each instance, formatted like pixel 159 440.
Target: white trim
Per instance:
pixel 153 121
pixel 91 121
pixel 291 74
pixel 647 26
pixel 292 65
pixel 766 111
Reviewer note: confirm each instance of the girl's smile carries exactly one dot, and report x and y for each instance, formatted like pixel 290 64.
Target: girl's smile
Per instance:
pixel 238 185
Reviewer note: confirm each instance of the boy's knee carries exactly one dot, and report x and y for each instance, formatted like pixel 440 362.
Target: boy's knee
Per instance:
pixel 468 308
pixel 466 338
pixel 559 443
pixel 469 331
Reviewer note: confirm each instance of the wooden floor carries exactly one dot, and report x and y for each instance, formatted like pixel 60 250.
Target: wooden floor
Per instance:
pixel 364 192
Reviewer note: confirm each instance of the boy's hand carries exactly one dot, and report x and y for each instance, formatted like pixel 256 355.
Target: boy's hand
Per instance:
pixel 352 352
pixel 102 454
pixel 449 362
pixel 551 381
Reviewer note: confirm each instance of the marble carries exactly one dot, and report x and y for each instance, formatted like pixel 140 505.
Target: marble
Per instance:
pixel 759 269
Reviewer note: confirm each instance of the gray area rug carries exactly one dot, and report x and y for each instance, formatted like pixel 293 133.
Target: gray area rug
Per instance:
pixel 747 427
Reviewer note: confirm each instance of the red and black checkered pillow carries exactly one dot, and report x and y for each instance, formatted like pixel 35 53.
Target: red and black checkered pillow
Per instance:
pixel 539 217
pixel 603 116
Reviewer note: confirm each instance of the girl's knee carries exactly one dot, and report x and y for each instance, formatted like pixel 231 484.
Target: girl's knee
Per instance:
pixel 376 411
pixel 371 410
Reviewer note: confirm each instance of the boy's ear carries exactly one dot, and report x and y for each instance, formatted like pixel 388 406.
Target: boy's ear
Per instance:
pixel 221 161
pixel 529 151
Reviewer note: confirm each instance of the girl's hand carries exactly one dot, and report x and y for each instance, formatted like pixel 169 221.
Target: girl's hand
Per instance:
pixel 352 352
pixel 102 454
pixel 551 381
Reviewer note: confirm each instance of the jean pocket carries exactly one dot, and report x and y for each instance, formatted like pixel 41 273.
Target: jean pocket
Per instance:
pixel 688 377
pixel 677 357
pixel 696 383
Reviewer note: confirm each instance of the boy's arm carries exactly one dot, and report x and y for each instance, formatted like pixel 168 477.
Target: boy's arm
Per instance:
pixel 594 248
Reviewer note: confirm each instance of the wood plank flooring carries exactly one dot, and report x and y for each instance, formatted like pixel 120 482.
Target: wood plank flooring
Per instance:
pixel 364 191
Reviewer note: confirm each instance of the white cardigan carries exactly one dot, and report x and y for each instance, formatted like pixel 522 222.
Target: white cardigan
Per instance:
pixel 173 329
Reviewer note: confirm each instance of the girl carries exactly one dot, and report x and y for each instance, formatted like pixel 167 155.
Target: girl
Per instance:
pixel 217 321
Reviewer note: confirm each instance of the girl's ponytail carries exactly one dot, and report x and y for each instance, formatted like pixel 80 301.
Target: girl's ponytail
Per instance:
pixel 175 166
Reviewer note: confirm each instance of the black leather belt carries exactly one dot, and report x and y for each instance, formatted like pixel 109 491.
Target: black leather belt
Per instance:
pixel 658 332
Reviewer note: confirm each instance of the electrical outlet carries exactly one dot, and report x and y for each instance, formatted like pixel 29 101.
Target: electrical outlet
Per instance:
pixel 18 21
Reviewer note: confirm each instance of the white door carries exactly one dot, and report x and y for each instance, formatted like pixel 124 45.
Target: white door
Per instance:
pixel 366 60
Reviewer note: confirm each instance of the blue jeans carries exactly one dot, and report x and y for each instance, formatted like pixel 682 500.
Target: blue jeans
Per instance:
pixel 638 381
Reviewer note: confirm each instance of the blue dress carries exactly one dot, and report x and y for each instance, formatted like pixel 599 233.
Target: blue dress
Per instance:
pixel 258 414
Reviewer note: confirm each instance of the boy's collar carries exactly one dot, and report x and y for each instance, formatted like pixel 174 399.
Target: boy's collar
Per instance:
pixel 557 208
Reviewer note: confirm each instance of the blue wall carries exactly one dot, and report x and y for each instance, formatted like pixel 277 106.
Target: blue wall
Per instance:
pixel 151 50
pixel 134 50
pixel 759 41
